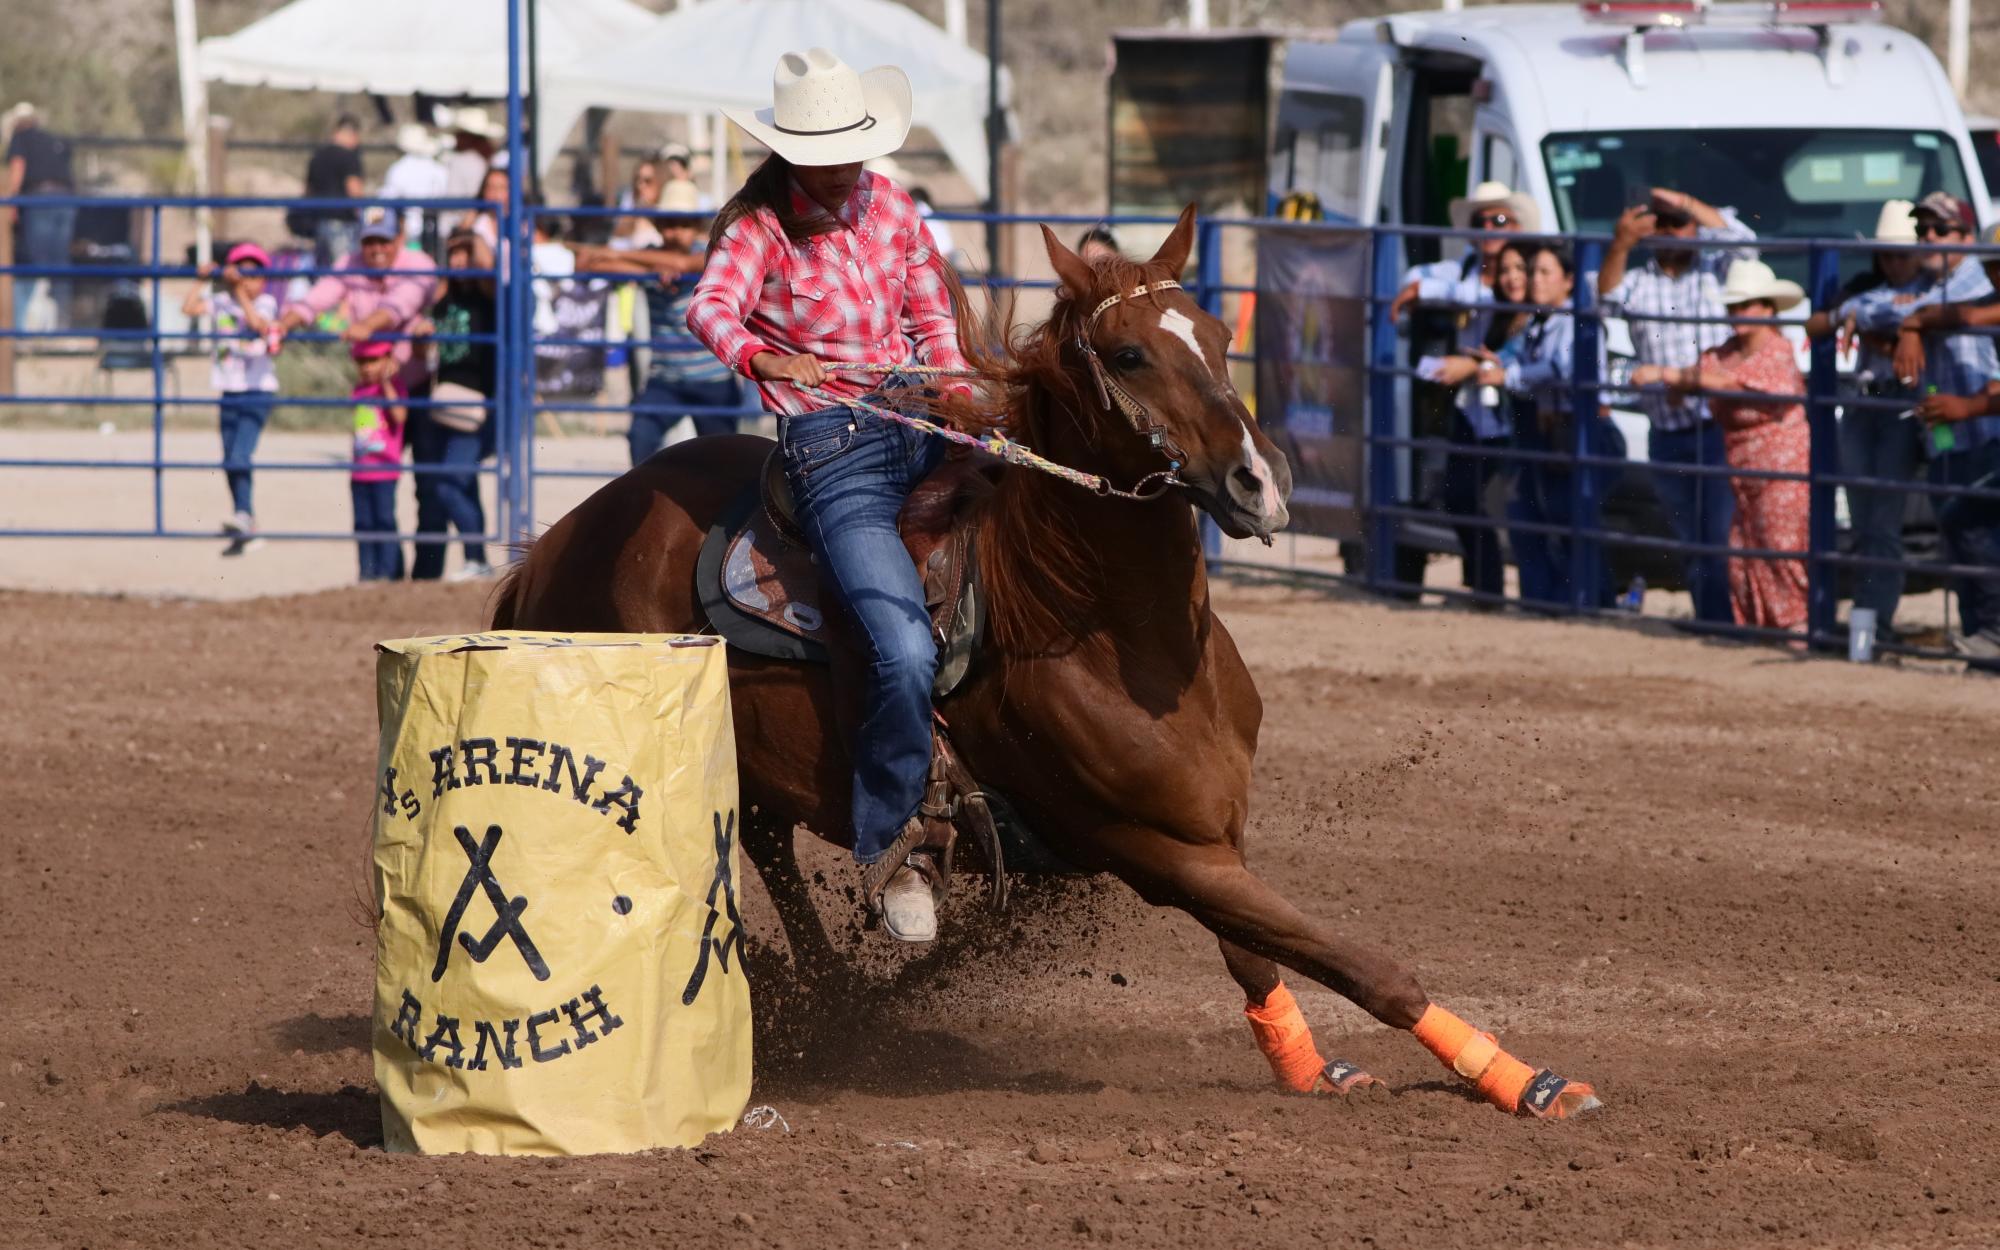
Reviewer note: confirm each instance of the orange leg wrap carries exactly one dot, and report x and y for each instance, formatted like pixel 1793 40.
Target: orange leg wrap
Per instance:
pixel 1500 1078
pixel 1287 1043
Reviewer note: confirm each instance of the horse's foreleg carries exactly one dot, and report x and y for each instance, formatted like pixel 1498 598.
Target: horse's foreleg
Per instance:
pixel 774 852
pixel 1211 884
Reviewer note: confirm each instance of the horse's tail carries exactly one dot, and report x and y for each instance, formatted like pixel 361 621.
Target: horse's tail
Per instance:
pixel 503 606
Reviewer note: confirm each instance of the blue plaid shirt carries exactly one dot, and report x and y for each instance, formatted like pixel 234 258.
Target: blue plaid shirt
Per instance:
pixel 1956 364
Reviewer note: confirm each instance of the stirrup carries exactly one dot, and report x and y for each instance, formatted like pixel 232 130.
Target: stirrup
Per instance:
pixel 875 876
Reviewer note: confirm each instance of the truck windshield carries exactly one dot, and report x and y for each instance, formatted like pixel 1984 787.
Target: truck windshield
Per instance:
pixel 1782 183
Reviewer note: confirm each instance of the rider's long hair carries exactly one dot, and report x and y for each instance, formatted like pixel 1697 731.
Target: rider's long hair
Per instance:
pixel 769 186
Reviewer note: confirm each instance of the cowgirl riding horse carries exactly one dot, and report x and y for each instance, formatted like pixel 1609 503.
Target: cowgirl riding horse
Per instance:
pixel 817 261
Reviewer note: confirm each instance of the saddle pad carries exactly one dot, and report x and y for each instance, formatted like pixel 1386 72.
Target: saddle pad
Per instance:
pixel 760 591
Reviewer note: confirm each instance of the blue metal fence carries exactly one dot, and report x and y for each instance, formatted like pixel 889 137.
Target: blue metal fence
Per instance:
pixel 1391 511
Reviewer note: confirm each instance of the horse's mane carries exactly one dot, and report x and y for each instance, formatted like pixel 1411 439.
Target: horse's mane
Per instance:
pixel 1042 578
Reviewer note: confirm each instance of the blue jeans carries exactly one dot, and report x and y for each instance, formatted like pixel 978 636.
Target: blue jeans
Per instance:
pixel 1971 531
pixel 1876 443
pixel 46 235
pixel 375 511
pixel 243 415
pixel 665 401
pixel 850 473
pixel 1700 507
pixel 1543 498
pixel 450 500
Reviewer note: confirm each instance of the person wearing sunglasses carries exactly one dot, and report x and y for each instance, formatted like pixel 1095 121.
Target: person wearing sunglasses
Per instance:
pixel 1448 354
pixel 1673 282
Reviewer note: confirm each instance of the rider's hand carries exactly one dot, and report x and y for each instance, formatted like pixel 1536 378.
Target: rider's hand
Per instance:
pixel 802 370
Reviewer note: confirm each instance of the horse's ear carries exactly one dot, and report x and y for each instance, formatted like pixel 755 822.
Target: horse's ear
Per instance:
pixel 1076 276
pixel 1174 252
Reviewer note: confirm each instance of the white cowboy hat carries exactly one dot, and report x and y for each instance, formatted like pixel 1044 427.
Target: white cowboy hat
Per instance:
pixel 679 196
pixel 1897 224
pixel 413 139
pixel 823 113
pixel 1752 280
pixel 473 121
pixel 1497 195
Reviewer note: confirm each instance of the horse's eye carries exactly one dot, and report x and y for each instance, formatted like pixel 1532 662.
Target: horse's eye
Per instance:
pixel 1128 358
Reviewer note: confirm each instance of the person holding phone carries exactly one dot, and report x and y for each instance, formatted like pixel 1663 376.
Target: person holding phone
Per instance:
pixel 1672 303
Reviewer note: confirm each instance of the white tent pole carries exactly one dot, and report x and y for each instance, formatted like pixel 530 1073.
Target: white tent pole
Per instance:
pixel 697 122
pixel 718 158
pixel 1959 45
pixel 1197 14
pixel 954 19
pixel 194 121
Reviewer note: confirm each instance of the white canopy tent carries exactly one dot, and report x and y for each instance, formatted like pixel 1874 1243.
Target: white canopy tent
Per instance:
pixel 439 47
pixel 720 54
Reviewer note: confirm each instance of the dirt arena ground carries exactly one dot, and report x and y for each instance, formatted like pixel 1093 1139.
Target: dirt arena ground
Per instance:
pixel 1750 897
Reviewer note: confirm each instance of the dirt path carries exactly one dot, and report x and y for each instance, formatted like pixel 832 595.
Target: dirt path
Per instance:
pixel 1750 897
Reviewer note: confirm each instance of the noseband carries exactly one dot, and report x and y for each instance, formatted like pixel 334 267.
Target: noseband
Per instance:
pixel 1111 395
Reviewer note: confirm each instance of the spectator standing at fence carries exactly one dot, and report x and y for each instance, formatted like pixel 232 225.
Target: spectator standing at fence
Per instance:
pixel 1478 422
pixel 1878 442
pixel 244 373
pixel 486 221
pixel 1482 423
pixel 383 289
pixel 1538 375
pixel 1766 434
pixel 1658 298
pixel 682 373
pixel 379 416
pixel 38 163
pixel 416 175
pixel 644 193
pixel 471 155
pixel 332 173
pixel 1096 244
pixel 456 433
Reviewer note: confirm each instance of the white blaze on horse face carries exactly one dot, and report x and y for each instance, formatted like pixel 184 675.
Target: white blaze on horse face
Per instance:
pixel 1181 326
pixel 1269 504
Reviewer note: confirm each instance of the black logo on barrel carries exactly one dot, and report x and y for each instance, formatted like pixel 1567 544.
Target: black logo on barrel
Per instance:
pixel 506 911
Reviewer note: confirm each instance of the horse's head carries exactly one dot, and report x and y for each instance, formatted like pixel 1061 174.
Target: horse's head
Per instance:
pixel 1159 374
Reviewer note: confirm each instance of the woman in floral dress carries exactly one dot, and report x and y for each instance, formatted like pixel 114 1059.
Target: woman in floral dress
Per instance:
pixel 1765 434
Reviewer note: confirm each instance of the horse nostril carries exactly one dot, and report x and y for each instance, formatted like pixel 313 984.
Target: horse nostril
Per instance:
pixel 1243 482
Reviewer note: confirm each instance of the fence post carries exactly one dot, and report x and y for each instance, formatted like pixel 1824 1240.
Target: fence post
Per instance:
pixel 1822 578
pixel 159 386
pixel 516 355
pixel 1586 564
pixel 1208 279
pixel 1378 456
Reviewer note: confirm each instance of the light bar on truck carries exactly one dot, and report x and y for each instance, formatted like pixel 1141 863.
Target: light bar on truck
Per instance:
pixel 1824 12
pixel 1640 13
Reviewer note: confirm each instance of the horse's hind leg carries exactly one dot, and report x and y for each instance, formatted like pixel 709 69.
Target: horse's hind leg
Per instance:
pixel 1280 1029
pixel 1211 884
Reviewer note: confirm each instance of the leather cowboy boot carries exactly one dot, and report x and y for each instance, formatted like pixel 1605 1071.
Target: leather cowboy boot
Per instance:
pixel 909 900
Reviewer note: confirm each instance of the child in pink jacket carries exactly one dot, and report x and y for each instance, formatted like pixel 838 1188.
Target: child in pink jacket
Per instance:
pixel 379 418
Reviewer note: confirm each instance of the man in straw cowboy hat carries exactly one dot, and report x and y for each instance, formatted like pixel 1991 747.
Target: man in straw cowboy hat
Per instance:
pixel 1878 442
pixel 816 261
pixel 1660 300
pixel 1479 422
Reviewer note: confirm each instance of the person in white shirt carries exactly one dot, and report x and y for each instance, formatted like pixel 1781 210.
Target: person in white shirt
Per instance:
pixel 416 175
pixel 244 374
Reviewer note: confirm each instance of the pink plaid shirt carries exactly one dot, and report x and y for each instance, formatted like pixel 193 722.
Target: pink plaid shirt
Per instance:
pixel 363 295
pixel 872 292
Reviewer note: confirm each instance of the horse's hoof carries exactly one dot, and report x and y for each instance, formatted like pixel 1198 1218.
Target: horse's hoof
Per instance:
pixel 1343 1078
pixel 1550 1097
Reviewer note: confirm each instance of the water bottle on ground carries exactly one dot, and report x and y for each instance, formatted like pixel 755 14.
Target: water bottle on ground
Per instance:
pixel 1634 598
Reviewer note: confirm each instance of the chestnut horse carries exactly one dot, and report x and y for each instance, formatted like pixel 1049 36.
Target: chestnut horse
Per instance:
pixel 1109 704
